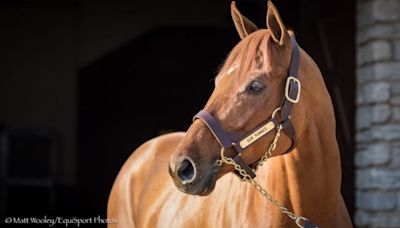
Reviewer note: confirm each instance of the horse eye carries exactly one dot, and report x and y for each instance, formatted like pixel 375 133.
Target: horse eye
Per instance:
pixel 255 87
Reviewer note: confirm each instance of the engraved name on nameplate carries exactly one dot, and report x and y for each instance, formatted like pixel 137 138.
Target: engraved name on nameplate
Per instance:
pixel 257 134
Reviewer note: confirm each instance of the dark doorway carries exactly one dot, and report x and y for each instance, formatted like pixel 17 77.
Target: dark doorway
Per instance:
pixel 151 86
pixel 157 82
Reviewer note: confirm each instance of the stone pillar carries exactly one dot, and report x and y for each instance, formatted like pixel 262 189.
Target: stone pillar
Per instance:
pixel 377 157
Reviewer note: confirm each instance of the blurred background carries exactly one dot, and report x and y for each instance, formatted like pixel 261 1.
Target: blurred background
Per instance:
pixel 85 82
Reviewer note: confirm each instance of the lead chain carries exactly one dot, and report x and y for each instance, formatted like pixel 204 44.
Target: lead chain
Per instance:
pixel 271 148
pixel 246 177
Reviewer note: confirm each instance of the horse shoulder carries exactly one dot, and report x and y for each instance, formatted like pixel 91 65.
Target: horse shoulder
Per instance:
pixel 137 177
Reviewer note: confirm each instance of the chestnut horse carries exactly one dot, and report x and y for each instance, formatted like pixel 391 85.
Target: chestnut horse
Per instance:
pixel 256 98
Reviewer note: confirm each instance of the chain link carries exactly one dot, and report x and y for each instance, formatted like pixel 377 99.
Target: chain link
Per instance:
pixel 271 148
pixel 247 178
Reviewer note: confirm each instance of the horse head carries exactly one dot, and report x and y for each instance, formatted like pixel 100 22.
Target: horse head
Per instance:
pixel 248 89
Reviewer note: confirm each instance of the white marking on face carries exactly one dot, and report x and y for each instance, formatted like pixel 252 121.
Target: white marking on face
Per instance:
pixel 232 68
pixel 228 72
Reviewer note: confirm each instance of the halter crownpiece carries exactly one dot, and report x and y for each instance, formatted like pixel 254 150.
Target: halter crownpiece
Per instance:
pixel 239 142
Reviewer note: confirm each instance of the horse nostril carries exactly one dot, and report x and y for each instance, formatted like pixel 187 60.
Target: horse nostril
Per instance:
pixel 186 171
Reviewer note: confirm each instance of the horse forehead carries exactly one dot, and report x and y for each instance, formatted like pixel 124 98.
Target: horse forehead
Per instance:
pixel 232 68
pixel 227 72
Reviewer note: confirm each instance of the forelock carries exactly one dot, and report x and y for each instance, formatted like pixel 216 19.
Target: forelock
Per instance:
pixel 249 55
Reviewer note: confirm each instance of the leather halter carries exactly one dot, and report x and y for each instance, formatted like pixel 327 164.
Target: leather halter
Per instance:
pixel 239 142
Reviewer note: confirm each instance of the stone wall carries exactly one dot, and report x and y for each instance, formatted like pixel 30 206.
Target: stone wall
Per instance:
pixel 377 157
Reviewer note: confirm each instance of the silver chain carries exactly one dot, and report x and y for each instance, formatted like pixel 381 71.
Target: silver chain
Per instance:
pixel 247 178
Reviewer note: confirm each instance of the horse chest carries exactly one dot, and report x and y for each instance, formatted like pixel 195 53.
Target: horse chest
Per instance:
pixel 232 204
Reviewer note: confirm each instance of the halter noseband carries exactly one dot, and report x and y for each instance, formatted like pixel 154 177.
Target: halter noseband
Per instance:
pixel 239 142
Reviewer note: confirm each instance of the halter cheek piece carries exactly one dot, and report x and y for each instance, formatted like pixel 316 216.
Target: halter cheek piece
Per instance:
pixel 239 142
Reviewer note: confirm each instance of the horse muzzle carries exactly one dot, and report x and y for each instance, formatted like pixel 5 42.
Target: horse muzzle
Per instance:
pixel 189 179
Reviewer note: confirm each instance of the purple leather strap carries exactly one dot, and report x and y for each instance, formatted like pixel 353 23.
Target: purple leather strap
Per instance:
pixel 294 64
pixel 225 139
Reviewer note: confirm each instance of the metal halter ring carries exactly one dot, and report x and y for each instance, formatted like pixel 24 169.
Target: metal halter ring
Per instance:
pixel 275 111
pixel 300 219
pixel 222 160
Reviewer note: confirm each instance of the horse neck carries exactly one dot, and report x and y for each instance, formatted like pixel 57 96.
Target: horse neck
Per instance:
pixel 308 178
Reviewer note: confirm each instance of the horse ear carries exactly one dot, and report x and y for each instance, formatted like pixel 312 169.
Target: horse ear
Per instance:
pixel 243 25
pixel 275 24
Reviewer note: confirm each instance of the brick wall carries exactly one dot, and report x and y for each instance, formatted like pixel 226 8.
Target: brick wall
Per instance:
pixel 377 156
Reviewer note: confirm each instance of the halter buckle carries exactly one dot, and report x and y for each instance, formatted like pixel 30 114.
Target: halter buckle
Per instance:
pixel 289 80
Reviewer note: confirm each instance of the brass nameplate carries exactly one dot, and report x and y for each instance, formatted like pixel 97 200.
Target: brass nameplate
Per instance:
pixel 257 134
